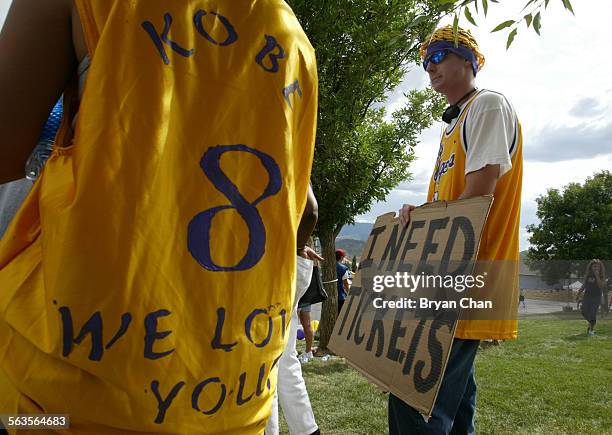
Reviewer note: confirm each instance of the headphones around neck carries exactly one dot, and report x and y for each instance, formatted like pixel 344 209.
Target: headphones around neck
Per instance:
pixel 453 111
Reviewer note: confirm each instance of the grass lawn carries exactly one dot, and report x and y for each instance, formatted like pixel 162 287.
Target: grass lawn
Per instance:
pixel 553 380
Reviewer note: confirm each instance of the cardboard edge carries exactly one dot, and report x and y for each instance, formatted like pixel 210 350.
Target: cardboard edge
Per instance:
pixel 383 388
pixel 437 204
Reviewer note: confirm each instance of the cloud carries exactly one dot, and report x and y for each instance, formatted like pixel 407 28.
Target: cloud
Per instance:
pixel 415 78
pixel 416 186
pixel 528 217
pixel 587 108
pixel 559 143
pixel 393 202
pixel 528 212
pixel 524 239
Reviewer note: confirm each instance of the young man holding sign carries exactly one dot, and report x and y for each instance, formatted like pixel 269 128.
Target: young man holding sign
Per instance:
pixel 480 154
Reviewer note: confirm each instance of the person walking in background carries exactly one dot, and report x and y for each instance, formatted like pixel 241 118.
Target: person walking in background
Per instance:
pixel 291 390
pixel 591 291
pixel 306 322
pixel 605 297
pixel 315 294
pixel 342 275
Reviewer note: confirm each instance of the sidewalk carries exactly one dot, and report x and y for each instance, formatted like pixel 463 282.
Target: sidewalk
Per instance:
pixel 539 306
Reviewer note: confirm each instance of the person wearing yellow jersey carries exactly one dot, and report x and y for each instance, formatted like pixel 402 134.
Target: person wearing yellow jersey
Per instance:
pixel 148 278
pixel 480 154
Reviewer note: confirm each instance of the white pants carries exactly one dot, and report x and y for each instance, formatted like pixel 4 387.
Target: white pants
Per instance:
pixel 291 388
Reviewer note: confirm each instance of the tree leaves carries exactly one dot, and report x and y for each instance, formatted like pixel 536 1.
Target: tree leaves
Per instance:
pixel 576 223
pixel 568 6
pixel 469 17
pixel 511 38
pixel 503 25
pixel 537 23
pixel 532 16
pixel 527 4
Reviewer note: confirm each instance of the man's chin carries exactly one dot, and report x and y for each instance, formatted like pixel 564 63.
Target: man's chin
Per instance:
pixel 438 89
pixel 437 86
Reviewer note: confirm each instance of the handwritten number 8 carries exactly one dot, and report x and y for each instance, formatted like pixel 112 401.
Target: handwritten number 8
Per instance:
pixel 198 234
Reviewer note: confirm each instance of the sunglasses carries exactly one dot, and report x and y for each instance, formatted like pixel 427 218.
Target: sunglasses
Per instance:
pixel 435 58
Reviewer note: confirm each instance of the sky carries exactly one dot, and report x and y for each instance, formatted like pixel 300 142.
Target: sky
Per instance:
pixel 559 85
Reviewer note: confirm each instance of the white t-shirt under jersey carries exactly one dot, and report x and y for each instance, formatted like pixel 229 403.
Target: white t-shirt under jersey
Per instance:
pixel 489 132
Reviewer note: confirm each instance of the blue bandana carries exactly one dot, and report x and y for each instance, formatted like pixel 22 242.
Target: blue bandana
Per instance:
pixel 460 50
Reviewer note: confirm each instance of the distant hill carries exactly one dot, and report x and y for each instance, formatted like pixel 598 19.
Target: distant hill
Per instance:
pixel 357 231
pixel 352 247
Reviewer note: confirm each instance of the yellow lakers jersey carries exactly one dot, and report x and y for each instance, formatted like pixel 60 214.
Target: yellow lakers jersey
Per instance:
pixel 148 279
pixel 499 245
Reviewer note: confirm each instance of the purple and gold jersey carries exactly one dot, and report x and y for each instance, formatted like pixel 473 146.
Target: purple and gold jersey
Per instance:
pixel 148 279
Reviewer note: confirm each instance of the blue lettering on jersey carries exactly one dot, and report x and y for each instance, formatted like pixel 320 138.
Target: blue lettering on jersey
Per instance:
pixel 292 88
pixel 232 36
pixel 160 39
pixel 268 51
pixel 443 168
pixel 199 230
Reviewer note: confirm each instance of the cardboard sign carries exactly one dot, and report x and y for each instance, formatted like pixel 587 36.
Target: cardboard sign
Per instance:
pixel 400 348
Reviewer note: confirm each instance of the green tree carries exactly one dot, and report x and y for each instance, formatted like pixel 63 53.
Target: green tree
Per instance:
pixel 364 48
pixel 575 226
pixel 354 264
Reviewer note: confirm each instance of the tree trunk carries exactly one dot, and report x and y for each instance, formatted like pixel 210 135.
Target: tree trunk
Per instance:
pixel 329 311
